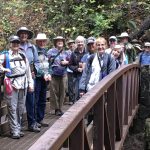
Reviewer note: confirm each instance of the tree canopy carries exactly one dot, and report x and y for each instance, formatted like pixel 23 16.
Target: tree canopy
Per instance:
pixel 70 18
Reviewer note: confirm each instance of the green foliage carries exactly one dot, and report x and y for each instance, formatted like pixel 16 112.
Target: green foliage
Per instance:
pixel 70 18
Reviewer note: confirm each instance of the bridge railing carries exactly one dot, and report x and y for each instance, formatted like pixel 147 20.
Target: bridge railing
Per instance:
pixel 114 103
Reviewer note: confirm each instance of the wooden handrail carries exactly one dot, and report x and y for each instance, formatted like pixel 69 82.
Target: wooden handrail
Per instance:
pixel 114 101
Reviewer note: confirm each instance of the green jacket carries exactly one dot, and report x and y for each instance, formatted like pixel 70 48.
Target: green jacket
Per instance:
pixel 130 52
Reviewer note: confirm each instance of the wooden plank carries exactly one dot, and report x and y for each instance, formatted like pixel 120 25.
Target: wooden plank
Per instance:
pixel 98 139
pixel 76 139
pixel 111 112
pixel 126 108
pixel 3 111
pixel 6 143
pixel 107 140
pixel 4 127
pixel 119 108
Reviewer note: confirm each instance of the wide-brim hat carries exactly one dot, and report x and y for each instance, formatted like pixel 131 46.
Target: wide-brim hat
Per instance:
pixel 25 29
pixel 70 41
pixel 138 46
pixel 14 38
pixel 123 35
pixel 41 36
pixel 58 38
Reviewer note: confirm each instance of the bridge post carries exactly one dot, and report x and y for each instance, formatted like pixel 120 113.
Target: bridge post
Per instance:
pixel 98 125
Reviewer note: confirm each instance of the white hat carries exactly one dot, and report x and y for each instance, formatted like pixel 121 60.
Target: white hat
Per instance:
pixel 41 36
pixel 147 44
pixel 113 37
pixel 14 38
pixel 117 46
pixel 124 34
pixel 137 46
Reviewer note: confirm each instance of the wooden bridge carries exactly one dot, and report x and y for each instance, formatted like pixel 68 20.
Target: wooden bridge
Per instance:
pixel 113 103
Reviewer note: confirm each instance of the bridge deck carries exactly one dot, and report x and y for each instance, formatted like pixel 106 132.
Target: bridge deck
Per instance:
pixel 6 143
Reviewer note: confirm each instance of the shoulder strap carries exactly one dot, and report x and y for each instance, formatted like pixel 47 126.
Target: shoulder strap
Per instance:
pixel 23 57
pixel 140 57
pixel 108 62
pixel 33 49
pixel 55 57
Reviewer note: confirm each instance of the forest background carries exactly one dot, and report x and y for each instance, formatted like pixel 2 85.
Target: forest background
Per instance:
pixel 70 18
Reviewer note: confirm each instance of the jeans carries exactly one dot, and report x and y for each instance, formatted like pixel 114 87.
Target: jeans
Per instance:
pixel 76 82
pixel 30 107
pixel 70 87
pixel 40 98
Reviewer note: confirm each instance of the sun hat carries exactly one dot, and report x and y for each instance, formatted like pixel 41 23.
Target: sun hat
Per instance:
pixel 138 46
pixel 41 36
pixel 70 41
pixel 14 38
pixel 147 44
pixel 25 29
pixel 58 38
pixel 124 34
pixel 91 40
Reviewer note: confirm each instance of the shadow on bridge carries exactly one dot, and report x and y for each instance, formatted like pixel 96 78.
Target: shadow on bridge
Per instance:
pixel 114 103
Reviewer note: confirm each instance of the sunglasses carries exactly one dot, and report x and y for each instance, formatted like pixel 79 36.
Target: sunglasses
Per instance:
pixel 146 46
pixel 112 40
pixel 18 42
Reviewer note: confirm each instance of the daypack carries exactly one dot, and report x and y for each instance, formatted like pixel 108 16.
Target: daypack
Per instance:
pixel 102 69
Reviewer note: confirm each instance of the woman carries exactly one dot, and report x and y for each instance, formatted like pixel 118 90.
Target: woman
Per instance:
pixel 58 60
pixel 21 79
pixel 118 55
pixel 31 53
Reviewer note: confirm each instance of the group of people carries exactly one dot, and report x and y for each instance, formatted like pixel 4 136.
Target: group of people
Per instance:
pixel 72 72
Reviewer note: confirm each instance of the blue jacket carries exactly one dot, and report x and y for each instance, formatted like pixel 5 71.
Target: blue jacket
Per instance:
pixel 31 53
pixel 108 66
pixel 144 58
pixel 57 68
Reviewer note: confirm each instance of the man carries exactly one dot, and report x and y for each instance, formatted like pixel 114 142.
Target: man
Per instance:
pixel 31 53
pixel 144 57
pixel 91 48
pixel 76 65
pixel 58 61
pixel 112 43
pixel 128 48
pixel 70 90
pixel 42 78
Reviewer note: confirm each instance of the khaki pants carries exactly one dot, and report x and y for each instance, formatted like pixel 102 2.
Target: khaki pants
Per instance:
pixel 58 91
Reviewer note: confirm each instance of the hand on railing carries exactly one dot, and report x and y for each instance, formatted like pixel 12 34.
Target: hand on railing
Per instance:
pixel 82 93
